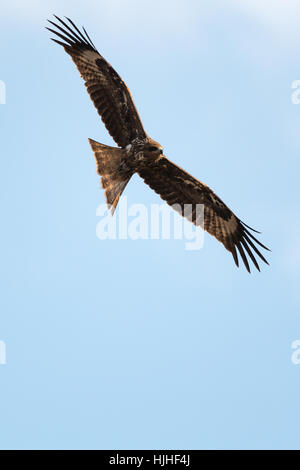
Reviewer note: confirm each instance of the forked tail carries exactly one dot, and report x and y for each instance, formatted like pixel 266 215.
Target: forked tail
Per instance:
pixel 112 168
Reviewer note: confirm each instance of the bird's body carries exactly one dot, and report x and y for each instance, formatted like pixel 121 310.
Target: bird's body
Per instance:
pixel 138 153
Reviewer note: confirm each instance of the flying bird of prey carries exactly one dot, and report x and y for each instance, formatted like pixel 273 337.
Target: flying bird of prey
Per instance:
pixel 138 153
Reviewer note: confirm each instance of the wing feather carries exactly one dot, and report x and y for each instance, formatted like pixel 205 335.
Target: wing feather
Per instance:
pixel 176 186
pixel 107 90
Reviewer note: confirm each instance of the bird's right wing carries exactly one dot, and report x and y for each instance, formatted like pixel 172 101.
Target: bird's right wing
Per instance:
pixel 107 90
pixel 182 191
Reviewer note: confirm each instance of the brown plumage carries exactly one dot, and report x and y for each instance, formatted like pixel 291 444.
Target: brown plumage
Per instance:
pixel 138 153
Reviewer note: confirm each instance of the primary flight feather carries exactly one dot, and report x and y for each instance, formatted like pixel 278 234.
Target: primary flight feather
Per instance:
pixel 138 153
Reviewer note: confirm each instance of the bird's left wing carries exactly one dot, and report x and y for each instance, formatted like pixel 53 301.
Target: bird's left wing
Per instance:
pixel 107 90
pixel 183 192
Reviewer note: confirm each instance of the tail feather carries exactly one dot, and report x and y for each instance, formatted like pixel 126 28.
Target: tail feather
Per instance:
pixel 112 168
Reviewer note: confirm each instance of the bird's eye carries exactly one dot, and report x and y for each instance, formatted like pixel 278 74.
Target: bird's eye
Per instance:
pixel 152 148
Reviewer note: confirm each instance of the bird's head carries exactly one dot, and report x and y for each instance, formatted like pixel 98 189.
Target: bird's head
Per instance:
pixel 153 148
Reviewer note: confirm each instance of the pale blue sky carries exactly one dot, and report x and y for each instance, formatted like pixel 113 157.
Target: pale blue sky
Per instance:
pixel 141 344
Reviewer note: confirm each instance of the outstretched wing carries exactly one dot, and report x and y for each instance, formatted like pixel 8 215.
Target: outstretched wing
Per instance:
pixel 183 192
pixel 107 90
